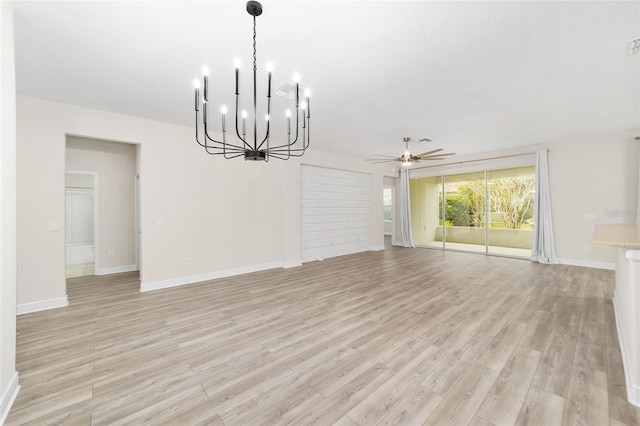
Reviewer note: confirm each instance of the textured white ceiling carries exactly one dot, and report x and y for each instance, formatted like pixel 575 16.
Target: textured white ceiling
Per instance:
pixel 472 76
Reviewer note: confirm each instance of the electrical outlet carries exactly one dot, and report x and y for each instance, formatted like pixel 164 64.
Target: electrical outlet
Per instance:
pixel 53 226
pixel 187 261
pixel 111 253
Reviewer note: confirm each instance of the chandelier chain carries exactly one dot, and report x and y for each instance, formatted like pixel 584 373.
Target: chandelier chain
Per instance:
pixel 254 44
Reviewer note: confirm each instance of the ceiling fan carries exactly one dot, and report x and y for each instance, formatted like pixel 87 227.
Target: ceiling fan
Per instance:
pixel 407 159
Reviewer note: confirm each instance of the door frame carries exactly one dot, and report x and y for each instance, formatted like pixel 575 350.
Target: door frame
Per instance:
pixel 393 213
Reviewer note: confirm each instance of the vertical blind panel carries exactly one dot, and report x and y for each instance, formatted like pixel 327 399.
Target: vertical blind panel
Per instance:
pixel 335 212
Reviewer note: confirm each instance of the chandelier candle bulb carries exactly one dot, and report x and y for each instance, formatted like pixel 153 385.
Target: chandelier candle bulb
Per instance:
pixel 223 110
pixel 205 77
pixel 269 86
pixel 307 94
pixel 204 114
pixel 244 123
pixel 237 66
pixel 288 114
pixel 196 84
pixel 269 70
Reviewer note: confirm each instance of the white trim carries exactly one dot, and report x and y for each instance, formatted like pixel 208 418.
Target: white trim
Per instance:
pixel 393 211
pixel 632 255
pixel 192 279
pixel 588 263
pixel 633 389
pixel 43 305
pixel 292 264
pixel 8 397
pixel 136 207
pixel 116 269
pixel 376 248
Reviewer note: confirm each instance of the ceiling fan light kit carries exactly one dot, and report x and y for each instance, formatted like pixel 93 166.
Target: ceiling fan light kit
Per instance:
pixel 258 149
pixel 407 159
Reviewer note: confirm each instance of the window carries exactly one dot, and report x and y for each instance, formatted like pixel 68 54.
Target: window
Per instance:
pixel 387 203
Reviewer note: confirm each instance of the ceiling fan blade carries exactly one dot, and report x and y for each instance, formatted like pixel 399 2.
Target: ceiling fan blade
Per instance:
pixel 388 156
pixel 383 161
pixel 440 155
pixel 429 152
pixel 436 157
pixel 424 140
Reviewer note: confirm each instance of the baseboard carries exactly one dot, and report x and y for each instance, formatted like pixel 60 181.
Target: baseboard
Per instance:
pixel 192 279
pixel 292 264
pixel 8 397
pixel 588 264
pixel 376 248
pixel 43 305
pixel 116 270
pixel 633 389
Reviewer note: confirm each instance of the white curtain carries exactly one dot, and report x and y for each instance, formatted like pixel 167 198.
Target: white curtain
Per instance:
pixel 406 237
pixel 543 250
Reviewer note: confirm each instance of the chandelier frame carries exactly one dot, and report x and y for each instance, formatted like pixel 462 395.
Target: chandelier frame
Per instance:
pixel 258 149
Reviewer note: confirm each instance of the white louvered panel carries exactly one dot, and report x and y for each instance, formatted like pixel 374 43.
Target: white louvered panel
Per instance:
pixel 335 212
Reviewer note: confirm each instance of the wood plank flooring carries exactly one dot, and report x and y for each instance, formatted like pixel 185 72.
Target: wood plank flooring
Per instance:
pixel 395 337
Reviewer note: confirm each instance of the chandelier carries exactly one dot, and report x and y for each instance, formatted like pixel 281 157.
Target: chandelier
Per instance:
pixel 253 148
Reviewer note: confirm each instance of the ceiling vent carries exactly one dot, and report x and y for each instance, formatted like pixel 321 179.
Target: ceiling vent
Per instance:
pixel 633 47
pixel 287 90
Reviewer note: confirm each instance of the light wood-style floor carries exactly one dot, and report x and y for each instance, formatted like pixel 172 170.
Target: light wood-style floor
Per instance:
pixel 395 337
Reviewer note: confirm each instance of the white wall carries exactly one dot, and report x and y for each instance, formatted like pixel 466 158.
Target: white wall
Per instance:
pixel 115 164
pixel 8 375
pixel 225 216
pixel 592 181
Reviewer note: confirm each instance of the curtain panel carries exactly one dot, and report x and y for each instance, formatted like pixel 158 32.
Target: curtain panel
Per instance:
pixel 406 237
pixel 543 247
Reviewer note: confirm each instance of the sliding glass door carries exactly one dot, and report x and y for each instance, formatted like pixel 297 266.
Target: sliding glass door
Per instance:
pixel 487 211
pixel 511 193
pixel 464 207
pixel 426 211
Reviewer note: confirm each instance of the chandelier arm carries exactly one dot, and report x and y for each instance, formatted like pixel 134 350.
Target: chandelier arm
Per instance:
pixel 219 143
pixel 207 137
pixel 288 146
pixel 204 145
pixel 292 150
pixel 230 157
pixel 279 156
pixel 282 156
pixel 225 147
pixel 221 149
pixel 197 133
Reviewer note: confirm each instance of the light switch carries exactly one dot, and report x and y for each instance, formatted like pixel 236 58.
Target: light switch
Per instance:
pixel 53 226
pixel 159 222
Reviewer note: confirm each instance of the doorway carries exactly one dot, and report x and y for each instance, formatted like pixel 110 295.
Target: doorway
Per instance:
pixel 388 214
pixel 115 208
pixel 81 218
